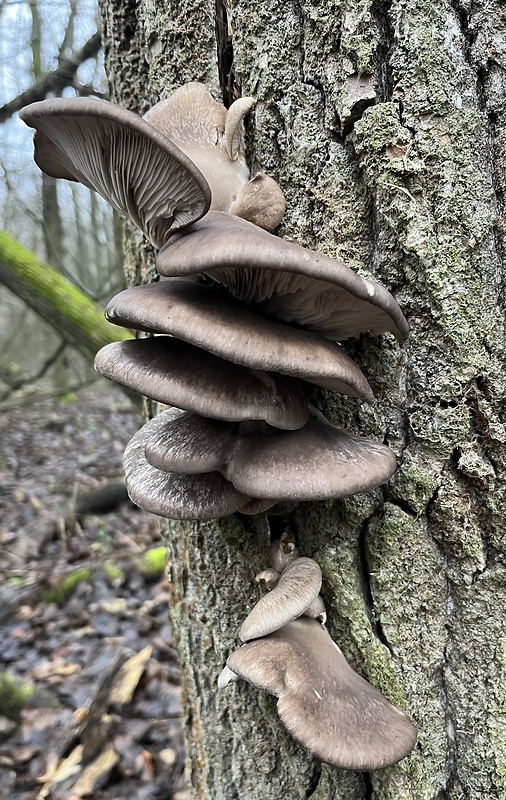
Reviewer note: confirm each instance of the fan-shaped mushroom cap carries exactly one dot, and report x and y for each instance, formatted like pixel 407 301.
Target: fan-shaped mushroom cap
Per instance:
pixel 204 497
pixel 198 124
pixel 138 170
pixel 326 706
pixel 208 317
pixel 296 590
pixel 316 462
pixel 290 282
pixel 184 443
pixel 178 374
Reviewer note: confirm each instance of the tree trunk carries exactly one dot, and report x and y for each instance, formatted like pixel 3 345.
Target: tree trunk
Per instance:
pixel 382 122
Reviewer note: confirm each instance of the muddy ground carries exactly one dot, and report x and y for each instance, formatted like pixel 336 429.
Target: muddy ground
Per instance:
pixel 79 598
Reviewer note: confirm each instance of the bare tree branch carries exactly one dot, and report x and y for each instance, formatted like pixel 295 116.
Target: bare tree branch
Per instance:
pixel 54 81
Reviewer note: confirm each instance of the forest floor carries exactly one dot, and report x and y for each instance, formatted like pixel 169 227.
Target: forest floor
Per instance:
pixel 80 596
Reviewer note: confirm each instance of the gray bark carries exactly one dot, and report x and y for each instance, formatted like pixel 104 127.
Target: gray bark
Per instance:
pixel 382 122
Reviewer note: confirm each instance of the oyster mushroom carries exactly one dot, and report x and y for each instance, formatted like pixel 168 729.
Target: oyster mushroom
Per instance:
pixel 185 497
pixel 296 590
pixel 181 375
pixel 315 462
pixel 138 170
pixel 208 317
pixel 163 171
pixel 213 138
pixel 287 281
pixel 325 705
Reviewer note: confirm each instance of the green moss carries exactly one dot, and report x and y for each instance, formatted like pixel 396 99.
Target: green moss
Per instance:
pixel 345 602
pixel 152 563
pixel 417 478
pixel 359 38
pixel 56 299
pixel 66 588
pixel 16 695
pixel 378 128
pixel 112 573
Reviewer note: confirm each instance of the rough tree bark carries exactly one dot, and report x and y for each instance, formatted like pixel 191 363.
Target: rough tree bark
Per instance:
pixel 382 122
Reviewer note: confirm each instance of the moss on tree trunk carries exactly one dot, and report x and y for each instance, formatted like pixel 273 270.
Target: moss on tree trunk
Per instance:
pixel 75 317
pixel 382 121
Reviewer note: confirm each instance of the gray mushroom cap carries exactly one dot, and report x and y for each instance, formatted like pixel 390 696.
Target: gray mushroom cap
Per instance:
pixel 316 462
pixel 325 705
pixel 201 497
pixel 208 317
pixel 178 374
pixel 296 590
pixel 290 282
pixel 138 170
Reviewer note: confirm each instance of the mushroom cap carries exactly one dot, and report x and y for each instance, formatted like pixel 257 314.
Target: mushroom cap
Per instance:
pixel 137 169
pixel 182 445
pixel 325 705
pixel 260 201
pixel 290 282
pixel 209 135
pixel 204 497
pixel 296 590
pixel 316 462
pixel 181 375
pixel 210 318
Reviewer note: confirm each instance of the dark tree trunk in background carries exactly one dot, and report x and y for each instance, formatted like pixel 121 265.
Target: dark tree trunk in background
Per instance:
pixel 382 122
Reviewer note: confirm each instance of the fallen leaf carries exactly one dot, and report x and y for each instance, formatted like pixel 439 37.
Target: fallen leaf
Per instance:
pixel 129 676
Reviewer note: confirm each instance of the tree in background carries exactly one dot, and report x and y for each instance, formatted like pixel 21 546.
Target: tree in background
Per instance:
pixel 48 49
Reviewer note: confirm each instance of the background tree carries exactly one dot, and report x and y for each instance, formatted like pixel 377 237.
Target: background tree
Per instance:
pixel 382 122
pixel 48 49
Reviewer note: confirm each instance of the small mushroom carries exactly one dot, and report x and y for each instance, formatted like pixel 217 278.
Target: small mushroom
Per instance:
pixel 296 590
pixel 288 282
pixel 138 170
pixel 325 705
pixel 181 375
pixel 316 462
pixel 283 551
pixel 208 317
pixel 260 201
pixel 268 579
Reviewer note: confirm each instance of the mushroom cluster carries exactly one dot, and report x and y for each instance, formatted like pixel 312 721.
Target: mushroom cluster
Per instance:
pixel 325 705
pixel 244 325
pixel 237 335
